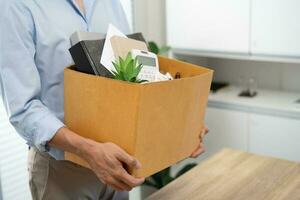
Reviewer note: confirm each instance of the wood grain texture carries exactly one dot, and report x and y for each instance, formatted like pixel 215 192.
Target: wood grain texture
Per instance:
pixel 236 175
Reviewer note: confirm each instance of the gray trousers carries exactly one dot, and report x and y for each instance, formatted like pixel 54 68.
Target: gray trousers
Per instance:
pixel 50 179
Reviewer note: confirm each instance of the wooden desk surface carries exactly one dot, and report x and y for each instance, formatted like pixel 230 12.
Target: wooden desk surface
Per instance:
pixel 235 175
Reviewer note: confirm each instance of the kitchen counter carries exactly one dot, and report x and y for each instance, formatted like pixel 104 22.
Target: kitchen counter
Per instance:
pixel 236 175
pixel 270 102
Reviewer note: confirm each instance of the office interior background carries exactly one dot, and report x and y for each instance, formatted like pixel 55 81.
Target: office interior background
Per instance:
pixel 252 45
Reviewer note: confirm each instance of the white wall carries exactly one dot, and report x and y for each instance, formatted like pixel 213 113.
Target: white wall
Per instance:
pixel 0 187
pixel 149 18
pixel 276 76
pixel 268 75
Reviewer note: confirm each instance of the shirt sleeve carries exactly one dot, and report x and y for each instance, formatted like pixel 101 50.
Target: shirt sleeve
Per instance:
pixel 20 80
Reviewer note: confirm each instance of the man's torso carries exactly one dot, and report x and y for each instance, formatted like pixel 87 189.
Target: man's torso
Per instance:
pixel 55 21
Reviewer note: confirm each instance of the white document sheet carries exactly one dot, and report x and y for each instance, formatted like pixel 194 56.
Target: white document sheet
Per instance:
pixel 108 53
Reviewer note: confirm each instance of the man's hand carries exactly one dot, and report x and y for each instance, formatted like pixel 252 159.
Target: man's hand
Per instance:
pixel 200 149
pixel 107 160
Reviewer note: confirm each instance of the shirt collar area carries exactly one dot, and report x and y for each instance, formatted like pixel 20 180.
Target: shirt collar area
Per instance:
pixel 88 4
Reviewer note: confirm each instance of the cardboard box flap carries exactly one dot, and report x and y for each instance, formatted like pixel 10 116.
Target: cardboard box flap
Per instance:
pixel 185 69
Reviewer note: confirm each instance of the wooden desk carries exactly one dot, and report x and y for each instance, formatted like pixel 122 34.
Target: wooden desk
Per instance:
pixel 235 175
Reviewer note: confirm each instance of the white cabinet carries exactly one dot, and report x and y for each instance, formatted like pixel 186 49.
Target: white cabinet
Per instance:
pixel 228 129
pixel 274 136
pixel 248 29
pixel 257 133
pixel 275 27
pixel 209 25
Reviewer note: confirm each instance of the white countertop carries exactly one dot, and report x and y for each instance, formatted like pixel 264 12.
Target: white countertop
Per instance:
pixel 266 102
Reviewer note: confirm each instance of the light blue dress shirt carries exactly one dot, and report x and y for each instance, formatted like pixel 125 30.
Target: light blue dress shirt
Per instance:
pixel 34 43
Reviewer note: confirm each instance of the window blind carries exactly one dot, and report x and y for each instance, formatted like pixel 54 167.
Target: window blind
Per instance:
pixel 13 162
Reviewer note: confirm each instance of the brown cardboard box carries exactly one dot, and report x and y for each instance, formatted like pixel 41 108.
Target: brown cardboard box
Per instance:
pixel 157 123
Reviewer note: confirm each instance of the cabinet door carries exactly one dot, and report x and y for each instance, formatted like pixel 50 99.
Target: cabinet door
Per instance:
pixel 228 129
pixel 275 27
pixel 209 25
pixel 275 136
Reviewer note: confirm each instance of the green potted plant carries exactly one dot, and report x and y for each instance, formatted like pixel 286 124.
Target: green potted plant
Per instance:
pixel 154 48
pixel 127 69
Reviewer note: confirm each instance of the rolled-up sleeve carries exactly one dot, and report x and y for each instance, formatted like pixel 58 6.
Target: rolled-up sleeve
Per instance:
pixel 20 79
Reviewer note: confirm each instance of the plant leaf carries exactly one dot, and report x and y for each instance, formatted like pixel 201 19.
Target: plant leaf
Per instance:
pixel 138 70
pixel 153 47
pixel 115 73
pixel 141 81
pixel 164 50
pixel 128 58
pixel 117 67
pixel 133 79
pixel 130 70
pixel 122 64
pixel 127 69
pixel 122 76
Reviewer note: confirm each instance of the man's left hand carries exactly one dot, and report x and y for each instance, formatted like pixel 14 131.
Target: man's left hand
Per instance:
pixel 200 149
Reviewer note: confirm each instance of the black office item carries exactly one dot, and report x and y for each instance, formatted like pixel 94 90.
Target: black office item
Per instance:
pixel 216 86
pixel 178 75
pixel 87 55
pixel 248 93
pixel 137 36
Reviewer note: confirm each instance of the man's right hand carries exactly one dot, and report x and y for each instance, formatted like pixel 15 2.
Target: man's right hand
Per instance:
pixel 107 160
